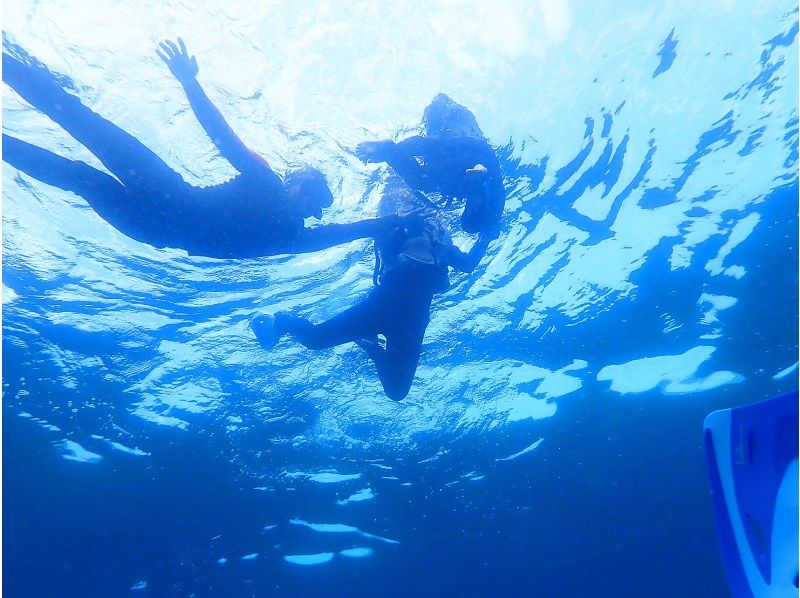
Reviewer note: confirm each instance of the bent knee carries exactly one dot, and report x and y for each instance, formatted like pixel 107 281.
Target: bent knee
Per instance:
pixel 398 390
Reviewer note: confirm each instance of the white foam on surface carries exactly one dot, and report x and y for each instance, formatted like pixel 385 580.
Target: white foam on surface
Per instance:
pixel 340 528
pixel 9 295
pixel 676 372
pixel 356 553
pixel 309 559
pixel 741 230
pixel 160 419
pixel 360 496
pixel 713 380
pixel 785 372
pixel 126 449
pixel 379 466
pixel 73 451
pixel 324 477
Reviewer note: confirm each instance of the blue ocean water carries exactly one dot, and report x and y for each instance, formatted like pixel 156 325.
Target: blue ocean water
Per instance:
pixel 645 275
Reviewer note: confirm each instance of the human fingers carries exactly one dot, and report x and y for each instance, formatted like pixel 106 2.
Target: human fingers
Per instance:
pixel 172 46
pixel 167 49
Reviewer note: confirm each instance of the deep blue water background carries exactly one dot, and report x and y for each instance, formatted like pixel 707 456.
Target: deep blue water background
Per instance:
pixel 615 503
pixel 644 222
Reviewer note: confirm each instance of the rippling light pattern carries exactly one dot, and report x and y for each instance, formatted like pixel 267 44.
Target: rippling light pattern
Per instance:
pixel 650 155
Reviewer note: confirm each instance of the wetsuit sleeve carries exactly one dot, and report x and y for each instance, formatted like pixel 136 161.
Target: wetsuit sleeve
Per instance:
pixel 328 235
pixel 490 192
pixel 401 157
pixel 467 262
pixel 230 146
pixel 492 195
pixel 495 191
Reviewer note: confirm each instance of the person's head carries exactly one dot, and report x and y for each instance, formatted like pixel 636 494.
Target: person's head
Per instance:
pixel 307 191
pixel 445 118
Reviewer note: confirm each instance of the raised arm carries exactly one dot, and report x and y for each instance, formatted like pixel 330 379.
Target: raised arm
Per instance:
pixel 467 262
pixel 401 157
pixel 488 195
pixel 185 70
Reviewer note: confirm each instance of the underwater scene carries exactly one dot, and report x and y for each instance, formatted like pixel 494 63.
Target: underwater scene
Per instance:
pixel 338 298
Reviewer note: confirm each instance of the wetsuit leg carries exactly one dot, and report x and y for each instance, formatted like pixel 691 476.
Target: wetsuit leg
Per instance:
pixel 399 309
pixel 403 311
pixel 118 205
pixel 363 320
pixel 104 193
pixel 124 155
pixel 404 331
pixel 403 327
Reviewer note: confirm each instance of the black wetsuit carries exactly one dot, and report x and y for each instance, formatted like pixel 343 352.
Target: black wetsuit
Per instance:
pixel 439 165
pixel 148 201
pixel 413 268
pixel 398 308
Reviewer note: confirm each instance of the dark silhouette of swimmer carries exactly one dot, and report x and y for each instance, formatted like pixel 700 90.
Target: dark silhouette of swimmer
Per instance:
pixel 254 214
pixel 452 159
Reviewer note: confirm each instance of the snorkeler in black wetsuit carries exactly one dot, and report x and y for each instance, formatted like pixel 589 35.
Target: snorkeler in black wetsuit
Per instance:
pixel 412 265
pixel 255 214
pixel 452 159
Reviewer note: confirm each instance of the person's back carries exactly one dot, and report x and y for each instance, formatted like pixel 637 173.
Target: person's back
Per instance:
pixel 243 218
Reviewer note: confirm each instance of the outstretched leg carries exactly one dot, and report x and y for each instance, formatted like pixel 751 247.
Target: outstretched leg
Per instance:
pixel 400 311
pixel 396 364
pixel 360 321
pixel 124 155
pixel 104 194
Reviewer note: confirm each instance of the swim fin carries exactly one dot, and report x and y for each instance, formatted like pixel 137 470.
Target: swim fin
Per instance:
pixel 752 459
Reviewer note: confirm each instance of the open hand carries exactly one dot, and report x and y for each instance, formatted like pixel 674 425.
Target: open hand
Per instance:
pixel 373 151
pixel 183 67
